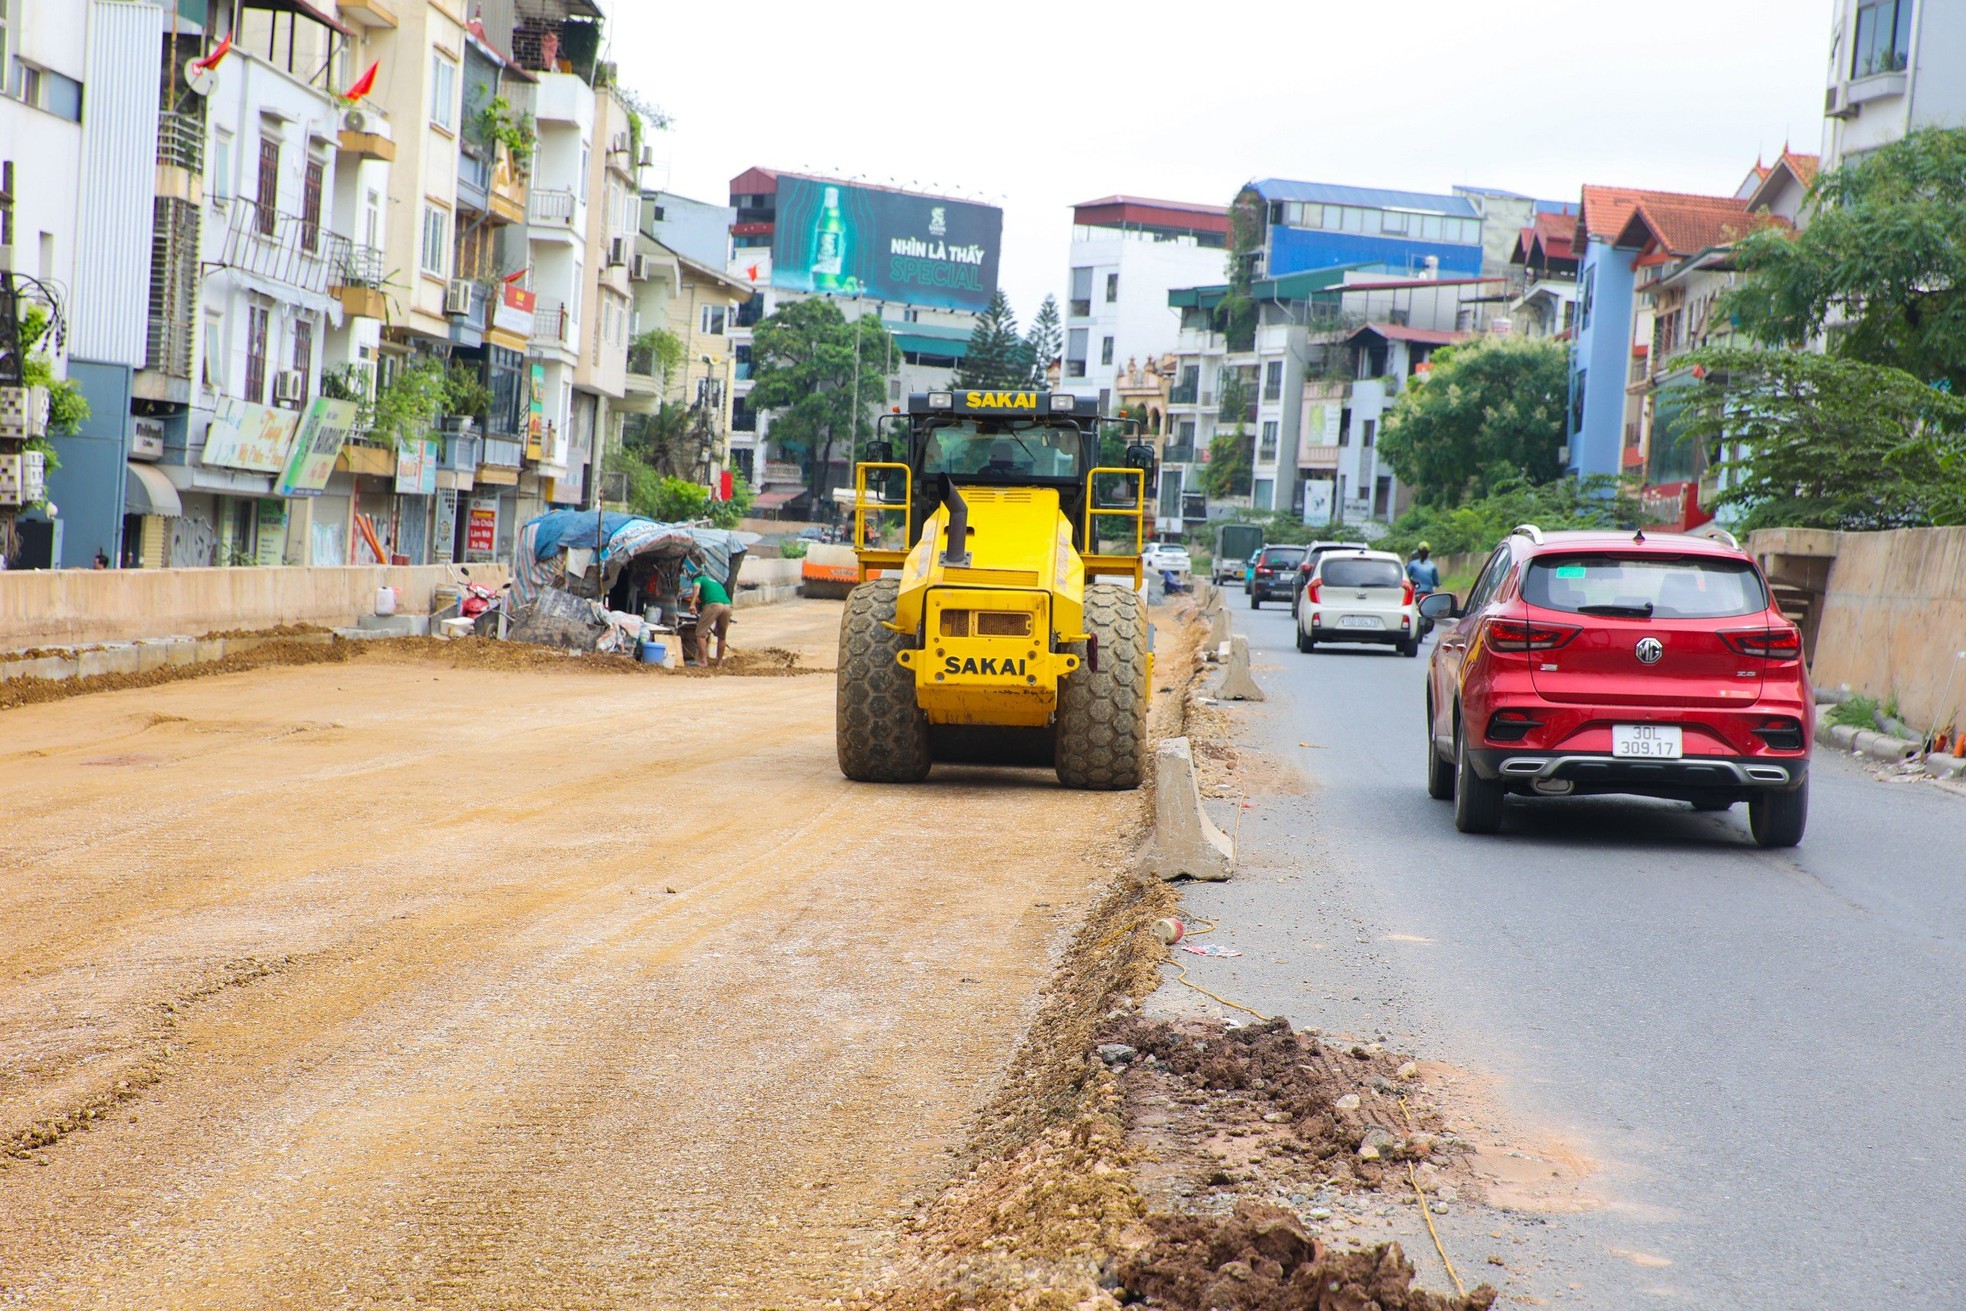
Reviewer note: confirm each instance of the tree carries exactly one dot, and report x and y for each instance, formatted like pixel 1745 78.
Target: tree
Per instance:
pixel 803 371
pixel 1487 412
pixel 1880 268
pixel 1044 344
pixel 1231 465
pixel 1817 441
pixel 1598 501
pixel 996 358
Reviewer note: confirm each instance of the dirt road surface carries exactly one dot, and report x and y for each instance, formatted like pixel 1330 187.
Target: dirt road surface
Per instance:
pixel 386 983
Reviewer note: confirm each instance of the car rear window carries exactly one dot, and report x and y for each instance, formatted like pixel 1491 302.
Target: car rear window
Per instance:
pixel 1362 573
pixel 1283 554
pixel 1666 587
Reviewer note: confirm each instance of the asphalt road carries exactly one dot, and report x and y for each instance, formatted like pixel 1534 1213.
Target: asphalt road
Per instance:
pixel 1762 1053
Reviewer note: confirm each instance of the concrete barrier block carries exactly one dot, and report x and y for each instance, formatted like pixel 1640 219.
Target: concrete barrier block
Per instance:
pixel 53 667
pixel 1841 736
pixel 392 625
pixel 207 649
pixel 115 658
pixel 1878 746
pixel 1218 628
pixel 179 651
pixel 1184 841
pixel 240 645
pixel 1238 684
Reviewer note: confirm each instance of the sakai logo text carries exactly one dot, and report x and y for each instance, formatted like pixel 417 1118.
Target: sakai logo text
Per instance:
pixel 1001 400
pixel 987 665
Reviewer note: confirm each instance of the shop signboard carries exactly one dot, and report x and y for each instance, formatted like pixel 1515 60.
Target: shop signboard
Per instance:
pixel 832 237
pixel 481 529
pixel 247 436
pixel 416 469
pixel 536 430
pixel 1318 495
pixel 316 445
pixel 272 547
pixel 514 312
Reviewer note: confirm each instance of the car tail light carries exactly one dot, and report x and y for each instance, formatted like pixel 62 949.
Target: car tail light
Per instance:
pixel 1311 590
pixel 1406 592
pixel 1776 642
pixel 1262 571
pixel 1510 726
pixel 1780 734
pixel 1527 635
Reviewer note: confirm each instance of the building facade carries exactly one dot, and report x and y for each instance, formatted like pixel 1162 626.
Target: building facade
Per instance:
pixel 1893 67
pixel 1127 254
pixel 1316 225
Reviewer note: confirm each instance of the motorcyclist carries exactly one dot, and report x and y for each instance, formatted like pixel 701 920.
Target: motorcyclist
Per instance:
pixel 1424 574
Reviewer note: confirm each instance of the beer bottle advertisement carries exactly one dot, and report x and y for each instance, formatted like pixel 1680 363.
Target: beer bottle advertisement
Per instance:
pixel 839 239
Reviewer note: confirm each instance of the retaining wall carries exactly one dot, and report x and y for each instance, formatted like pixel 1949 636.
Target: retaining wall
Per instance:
pixel 76 607
pixel 1890 616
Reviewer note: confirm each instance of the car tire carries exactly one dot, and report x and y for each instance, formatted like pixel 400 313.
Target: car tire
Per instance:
pixel 1304 642
pixel 1777 819
pixel 1478 801
pixel 1440 772
pixel 1255 600
pixel 1409 648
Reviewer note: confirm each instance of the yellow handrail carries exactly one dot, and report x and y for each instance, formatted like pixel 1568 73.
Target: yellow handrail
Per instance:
pixel 1138 513
pixel 861 505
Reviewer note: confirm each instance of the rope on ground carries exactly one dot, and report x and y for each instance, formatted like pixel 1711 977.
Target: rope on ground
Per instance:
pixel 1426 1211
pixel 1182 976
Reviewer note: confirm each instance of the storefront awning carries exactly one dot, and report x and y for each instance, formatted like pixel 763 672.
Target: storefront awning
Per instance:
pixel 147 491
pixel 775 500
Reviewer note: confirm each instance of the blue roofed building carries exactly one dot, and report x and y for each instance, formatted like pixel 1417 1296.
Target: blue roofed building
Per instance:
pixel 1318 225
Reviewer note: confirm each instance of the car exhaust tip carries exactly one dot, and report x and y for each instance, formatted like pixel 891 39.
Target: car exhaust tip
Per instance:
pixel 1553 787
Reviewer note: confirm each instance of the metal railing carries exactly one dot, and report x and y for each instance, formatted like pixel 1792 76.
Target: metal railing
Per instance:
pixel 550 208
pixel 181 141
pixel 284 248
pixel 552 323
pixel 359 266
pixel 1183 393
pixel 501 453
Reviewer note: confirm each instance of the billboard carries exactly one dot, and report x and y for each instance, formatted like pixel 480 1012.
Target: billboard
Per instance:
pixel 889 245
pixel 247 436
pixel 326 426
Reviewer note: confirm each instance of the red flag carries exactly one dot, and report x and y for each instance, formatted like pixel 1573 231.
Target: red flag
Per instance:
pixel 218 53
pixel 752 273
pixel 514 276
pixel 363 84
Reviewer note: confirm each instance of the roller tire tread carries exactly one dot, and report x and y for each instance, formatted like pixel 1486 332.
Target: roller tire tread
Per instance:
pixel 880 731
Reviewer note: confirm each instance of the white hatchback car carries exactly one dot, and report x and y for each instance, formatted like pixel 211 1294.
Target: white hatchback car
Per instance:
pixel 1359 596
pixel 1168 557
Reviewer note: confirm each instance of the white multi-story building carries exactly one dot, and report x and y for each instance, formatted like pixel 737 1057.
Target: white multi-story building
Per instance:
pixel 1127 254
pixel 1894 66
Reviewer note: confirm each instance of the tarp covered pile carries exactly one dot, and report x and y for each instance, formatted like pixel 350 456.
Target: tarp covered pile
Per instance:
pixel 569 560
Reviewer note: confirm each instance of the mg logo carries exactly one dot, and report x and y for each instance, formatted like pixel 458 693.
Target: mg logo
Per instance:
pixel 1650 650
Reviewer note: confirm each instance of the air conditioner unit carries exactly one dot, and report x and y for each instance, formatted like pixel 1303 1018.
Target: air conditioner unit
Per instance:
pixel 617 251
pixel 1836 103
pixel 648 156
pixel 289 385
pixel 641 268
pixel 457 297
pixel 365 121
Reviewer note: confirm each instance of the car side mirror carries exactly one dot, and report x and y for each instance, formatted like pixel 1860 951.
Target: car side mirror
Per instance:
pixel 1439 605
pixel 880 452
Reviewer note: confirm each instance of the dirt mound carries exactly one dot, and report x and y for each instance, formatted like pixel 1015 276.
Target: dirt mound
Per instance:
pixel 490 653
pixel 16 692
pixel 763 662
pixel 1261 1259
pixel 278 630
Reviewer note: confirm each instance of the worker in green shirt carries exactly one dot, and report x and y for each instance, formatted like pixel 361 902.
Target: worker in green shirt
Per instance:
pixel 712 604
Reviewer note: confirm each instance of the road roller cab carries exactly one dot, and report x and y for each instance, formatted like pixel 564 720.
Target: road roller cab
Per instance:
pixel 988 624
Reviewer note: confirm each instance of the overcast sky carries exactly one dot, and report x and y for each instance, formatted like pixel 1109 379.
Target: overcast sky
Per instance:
pixel 1035 106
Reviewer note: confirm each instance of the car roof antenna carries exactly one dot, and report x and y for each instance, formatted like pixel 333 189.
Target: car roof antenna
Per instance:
pixel 1638 534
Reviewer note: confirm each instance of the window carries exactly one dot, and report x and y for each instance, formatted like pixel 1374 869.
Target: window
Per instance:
pixel 1584 294
pixel 436 242
pixel 43 88
pixel 1081 295
pixel 712 320
pixel 1338 571
pixel 1075 343
pixel 1577 402
pixel 267 187
pixel 1266 449
pixel 1112 287
pixel 1394 223
pixel 1366 432
pixel 741 357
pixel 1382 497
pixel 1662 587
pixel 256 324
pixel 1105 353
pixel 1273 380
pixel 1883 43
pixel 304 357
pixel 1430 227
pixel 1262 493
pixel 310 206
pixel 6 197
pixel 221 171
pixel 443 90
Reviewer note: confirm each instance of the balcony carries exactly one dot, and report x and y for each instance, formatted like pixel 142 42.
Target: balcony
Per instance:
pixel 181 157
pixel 1183 393
pixel 1079 309
pixel 281 248
pixel 501 453
pixel 552 324
pixel 553 209
pixel 459 453
pixel 356 281
pixel 474 180
pixel 1181 453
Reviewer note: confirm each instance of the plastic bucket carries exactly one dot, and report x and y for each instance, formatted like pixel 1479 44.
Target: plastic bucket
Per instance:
pixel 652 653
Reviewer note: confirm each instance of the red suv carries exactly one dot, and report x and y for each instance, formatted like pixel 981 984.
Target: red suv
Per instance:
pixel 1593 662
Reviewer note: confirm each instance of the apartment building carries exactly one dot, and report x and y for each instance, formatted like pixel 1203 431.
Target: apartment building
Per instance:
pixel 1127 254
pixel 1893 67
pixel 1303 226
